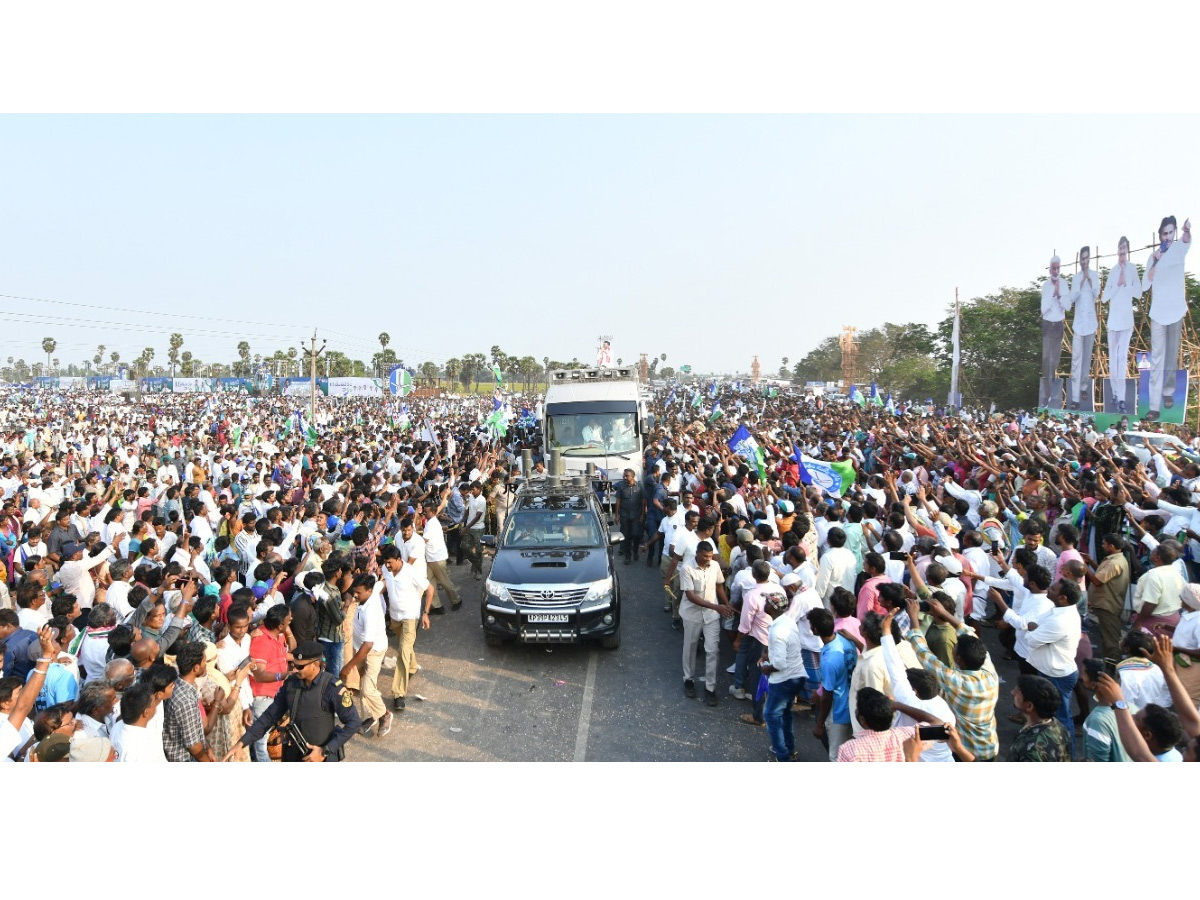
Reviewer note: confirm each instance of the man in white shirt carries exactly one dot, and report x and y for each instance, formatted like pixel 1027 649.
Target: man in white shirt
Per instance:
pixel 1164 279
pixel 1056 300
pixel 838 566
pixel 233 650
pixel 1120 290
pixel 412 547
pixel 474 520
pixel 1053 639
pixel 410 595
pixel 437 556
pixel 785 673
pixel 132 737
pixel 369 644
pixel 76 572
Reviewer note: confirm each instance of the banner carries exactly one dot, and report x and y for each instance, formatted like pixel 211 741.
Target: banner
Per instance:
pixel 355 387
pixel 121 385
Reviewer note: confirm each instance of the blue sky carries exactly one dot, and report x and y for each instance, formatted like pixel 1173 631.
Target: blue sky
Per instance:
pixel 708 238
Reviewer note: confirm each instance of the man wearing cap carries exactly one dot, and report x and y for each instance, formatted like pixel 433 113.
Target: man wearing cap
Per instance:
pixel 319 711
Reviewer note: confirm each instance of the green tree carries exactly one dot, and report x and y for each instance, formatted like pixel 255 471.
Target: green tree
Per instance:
pixel 243 365
pixel 48 345
pixel 453 369
pixel 822 363
pixel 1001 343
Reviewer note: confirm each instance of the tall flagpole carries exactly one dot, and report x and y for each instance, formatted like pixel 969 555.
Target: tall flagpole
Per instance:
pixel 956 360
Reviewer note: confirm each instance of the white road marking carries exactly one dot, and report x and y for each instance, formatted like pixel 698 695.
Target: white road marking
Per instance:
pixel 585 712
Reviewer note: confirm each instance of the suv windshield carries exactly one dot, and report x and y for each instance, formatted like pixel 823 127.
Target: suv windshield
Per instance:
pixel 551 528
pixel 591 434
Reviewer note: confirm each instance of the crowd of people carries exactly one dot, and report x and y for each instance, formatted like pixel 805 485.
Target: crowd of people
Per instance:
pixel 191 578
pixel 872 612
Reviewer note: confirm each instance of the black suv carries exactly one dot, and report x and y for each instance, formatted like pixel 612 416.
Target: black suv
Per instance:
pixel 553 580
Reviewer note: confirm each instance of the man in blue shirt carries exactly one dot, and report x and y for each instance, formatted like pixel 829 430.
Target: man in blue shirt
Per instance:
pixel 16 642
pixel 838 658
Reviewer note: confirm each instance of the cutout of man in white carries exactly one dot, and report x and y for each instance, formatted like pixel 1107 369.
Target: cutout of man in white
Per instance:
pixel 1168 306
pixel 1085 288
pixel 1120 290
pixel 1055 303
pixel 604 356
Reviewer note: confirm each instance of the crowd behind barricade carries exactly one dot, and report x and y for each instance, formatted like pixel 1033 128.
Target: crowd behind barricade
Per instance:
pixel 218 578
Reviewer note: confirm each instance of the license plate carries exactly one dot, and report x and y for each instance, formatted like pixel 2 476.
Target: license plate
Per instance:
pixel 537 618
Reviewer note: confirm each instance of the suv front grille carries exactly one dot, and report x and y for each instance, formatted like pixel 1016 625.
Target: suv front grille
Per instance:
pixel 549 597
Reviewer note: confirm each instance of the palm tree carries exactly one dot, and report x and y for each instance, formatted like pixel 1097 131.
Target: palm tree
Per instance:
pixel 173 350
pixel 243 349
pixel 147 355
pixel 384 340
pixel 453 368
pixel 48 345
pixel 620 362
pixel 99 357
pixel 55 364
pixel 115 357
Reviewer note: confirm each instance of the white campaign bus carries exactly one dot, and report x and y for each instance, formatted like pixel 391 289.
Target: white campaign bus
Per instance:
pixel 596 416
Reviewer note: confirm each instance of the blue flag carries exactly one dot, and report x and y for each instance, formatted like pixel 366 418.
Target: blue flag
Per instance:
pixel 742 442
pixel 798 458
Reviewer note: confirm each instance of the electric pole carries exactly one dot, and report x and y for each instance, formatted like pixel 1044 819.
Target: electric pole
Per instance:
pixel 312 355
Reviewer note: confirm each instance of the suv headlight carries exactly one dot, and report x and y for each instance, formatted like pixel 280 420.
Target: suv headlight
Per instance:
pixel 599 590
pixel 497 590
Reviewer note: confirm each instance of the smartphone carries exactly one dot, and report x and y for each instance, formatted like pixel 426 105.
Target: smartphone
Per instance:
pixel 995 546
pixel 933 733
pixel 245 662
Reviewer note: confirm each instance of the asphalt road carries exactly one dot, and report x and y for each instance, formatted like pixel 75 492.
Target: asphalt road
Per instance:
pixel 564 703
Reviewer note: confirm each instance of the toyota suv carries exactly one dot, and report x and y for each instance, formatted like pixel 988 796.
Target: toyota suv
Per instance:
pixel 552 580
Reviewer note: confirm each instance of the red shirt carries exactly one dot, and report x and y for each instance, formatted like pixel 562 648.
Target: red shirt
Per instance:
pixel 272 649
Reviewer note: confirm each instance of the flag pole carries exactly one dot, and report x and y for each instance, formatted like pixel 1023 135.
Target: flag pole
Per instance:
pixel 956 355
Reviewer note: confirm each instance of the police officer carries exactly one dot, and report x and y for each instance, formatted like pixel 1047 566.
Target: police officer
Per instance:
pixel 314 702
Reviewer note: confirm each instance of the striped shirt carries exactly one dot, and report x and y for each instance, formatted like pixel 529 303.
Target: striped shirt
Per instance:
pixel 972 694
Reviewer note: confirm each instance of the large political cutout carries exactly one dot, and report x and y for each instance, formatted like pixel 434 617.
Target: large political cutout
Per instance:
pixel 1123 286
pixel 1085 291
pixel 1056 300
pixel 1168 306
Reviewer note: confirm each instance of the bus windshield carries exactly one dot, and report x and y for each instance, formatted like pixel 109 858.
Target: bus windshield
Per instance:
pixel 592 434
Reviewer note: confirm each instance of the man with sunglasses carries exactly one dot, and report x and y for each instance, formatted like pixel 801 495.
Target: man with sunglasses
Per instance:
pixel 320 712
